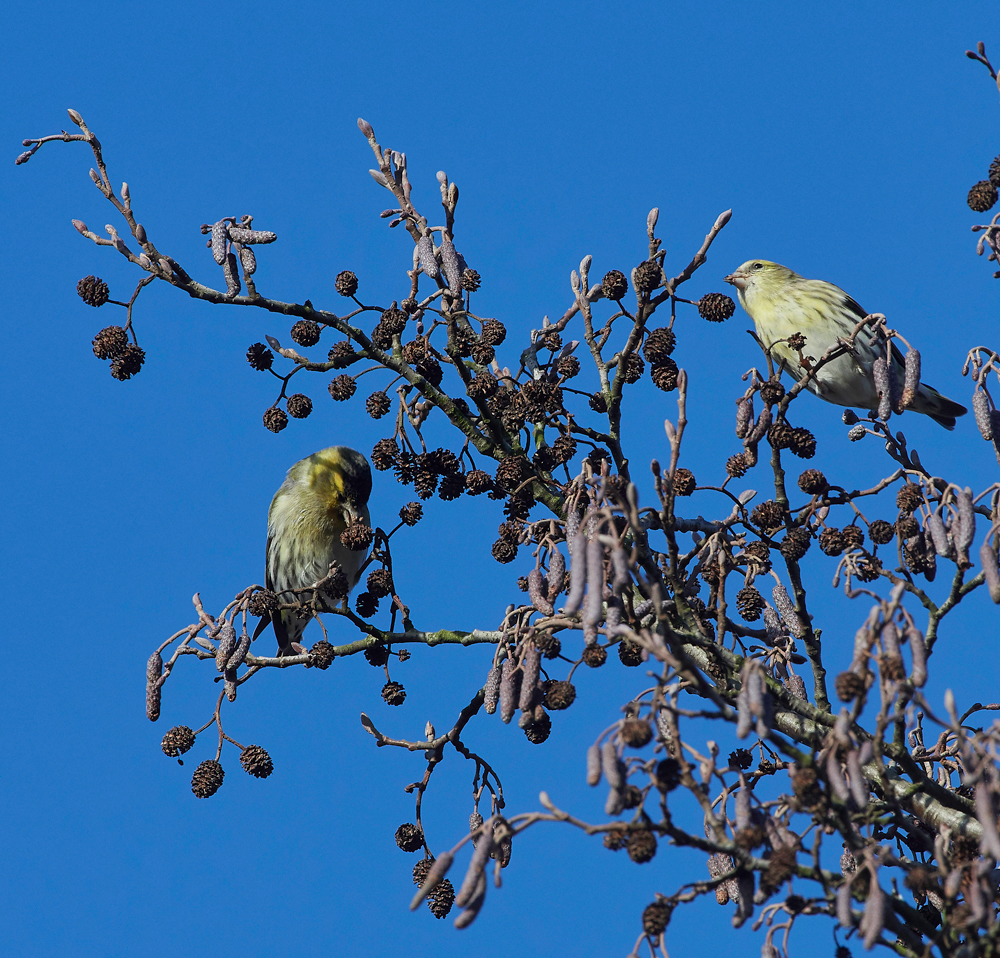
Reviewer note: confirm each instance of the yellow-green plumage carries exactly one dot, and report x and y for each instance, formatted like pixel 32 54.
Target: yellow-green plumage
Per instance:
pixel 781 303
pixel 319 496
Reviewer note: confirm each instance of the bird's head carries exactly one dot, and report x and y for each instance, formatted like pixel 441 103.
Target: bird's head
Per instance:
pixel 757 276
pixel 343 477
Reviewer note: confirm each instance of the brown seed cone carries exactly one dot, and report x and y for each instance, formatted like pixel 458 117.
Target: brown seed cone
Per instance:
pixel 568 367
pixel 262 603
pixel 772 391
pixel 594 656
pixel 512 471
pixel 549 645
pixel 420 870
pixel 299 405
pixel 384 454
pixel 907 527
pixel 483 353
pixel 656 917
pixel 539 729
pixel 630 653
pixel 716 307
pixel 504 551
pixel 780 435
pixel 259 356
pixel 379 583
pixel 849 685
pixel 451 487
pixel 409 837
pixel 909 497
pixel 128 363
pixel 636 733
pixel 357 536
pixel 478 481
pixel 342 387
pixel 564 448
pixel 92 290
pixel 111 342
pixel 647 276
pixel 740 758
pixel 207 778
pixel 482 386
pixel 813 483
pixel 615 840
pixel 664 375
pixel 305 332
pixel 366 605
pixel 470 280
pixel 659 345
pixel 796 544
pixel 768 515
pixel 393 320
pixel 275 419
pixel 641 846
pixel 411 513
pixel 668 774
pixel 853 537
pixel 342 354
pixel 737 466
pixel 749 603
pixel 869 567
pixel 831 542
pixel 803 443
pixel 177 741
pixel 559 696
pixel 598 403
pixel 430 369
pixel 494 332
pixel 393 693
pixel 982 196
pixel 880 532
pixel 994 175
pixel 631 368
pixel 256 761
pixel 377 404
pixel 759 555
pixel 442 898
pixel 614 284
pixel 321 655
pixel 346 283
pixel 684 482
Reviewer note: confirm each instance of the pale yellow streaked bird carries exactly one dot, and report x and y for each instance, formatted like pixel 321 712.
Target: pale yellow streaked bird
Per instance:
pixel 320 495
pixel 780 303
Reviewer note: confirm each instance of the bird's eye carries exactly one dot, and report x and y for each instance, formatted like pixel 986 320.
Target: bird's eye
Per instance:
pixel 758 265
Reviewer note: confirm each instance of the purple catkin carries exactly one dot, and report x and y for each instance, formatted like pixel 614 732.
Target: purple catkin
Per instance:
pixel 556 575
pixel 226 647
pixel 578 574
pixel 538 597
pixel 593 764
pixel 988 559
pixel 981 410
pixel 219 237
pixel 595 584
pixel 911 378
pixel 425 256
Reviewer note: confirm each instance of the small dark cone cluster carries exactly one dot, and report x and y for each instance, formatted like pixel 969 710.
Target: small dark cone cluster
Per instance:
pixel 275 419
pixel 177 741
pixel 853 537
pixel 341 355
pixel 831 542
pixel 716 307
pixel 538 731
pixel 299 405
pixel 366 605
pixel 813 483
pixel 598 403
pixel 636 733
pixel 110 342
pixel 907 527
pixel 321 655
pixel 411 513
pixel 342 387
pixel 560 695
pixel 772 391
pixel 737 466
pixel 659 345
pixel 548 644
pixel 393 693
pixel 664 375
pixel 470 280
pixel 128 362
pixel 615 840
pixel 384 454
pixel 881 532
pixel 377 655
pixel 614 284
pixel 749 603
pixel 631 796
pixel 768 515
pixel 260 357
pixel 740 758
pixel 909 497
pixel 647 276
pixel 346 283
pixel 92 290
pixel 357 536
pixel 668 774
pixel 656 917
pixel 631 368
pixel 595 656
pixel 780 435
pixel 207 778
pixel 759 555
pixel 305 332
pixel 409 837
pixel 802 443
pixel 478 481
pixel 796 544
pixel 256 761
pixel 420 870
pixel 494 332
pixel 441 899
pixel 568 367
pixel 380 583
pixel 630 653
pixel 641 846
pixel 982 196
pixel 869 567
pixel 684 482
pixel 263 603
pixel 504 551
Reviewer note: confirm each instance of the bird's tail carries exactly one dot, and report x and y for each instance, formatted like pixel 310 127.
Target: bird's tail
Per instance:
pixel 941 409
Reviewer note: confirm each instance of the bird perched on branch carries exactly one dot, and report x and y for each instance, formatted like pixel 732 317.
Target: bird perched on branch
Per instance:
pixel 322 496
pixel 782 303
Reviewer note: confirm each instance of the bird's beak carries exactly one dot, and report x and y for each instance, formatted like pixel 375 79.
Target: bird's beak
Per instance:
pixel 737 279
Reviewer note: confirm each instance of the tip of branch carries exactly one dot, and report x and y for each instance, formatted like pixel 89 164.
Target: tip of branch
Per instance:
pixel 723 219
pixel 365 127
pixel 75 117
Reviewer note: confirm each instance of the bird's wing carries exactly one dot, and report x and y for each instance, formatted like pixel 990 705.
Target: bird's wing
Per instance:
pixel 855 307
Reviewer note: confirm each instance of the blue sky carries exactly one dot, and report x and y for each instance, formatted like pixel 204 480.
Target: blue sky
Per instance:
pixel 844 139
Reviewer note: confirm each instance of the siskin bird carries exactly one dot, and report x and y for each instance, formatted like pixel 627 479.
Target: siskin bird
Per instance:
pixel 320 496
pixel 781 303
